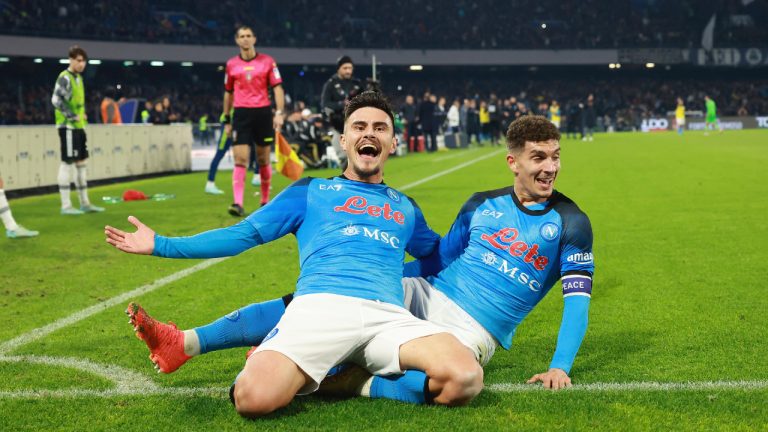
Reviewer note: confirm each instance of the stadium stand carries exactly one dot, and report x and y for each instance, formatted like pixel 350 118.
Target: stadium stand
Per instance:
pixel 429 24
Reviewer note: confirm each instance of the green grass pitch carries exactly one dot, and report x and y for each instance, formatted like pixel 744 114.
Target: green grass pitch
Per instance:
pixel 680 298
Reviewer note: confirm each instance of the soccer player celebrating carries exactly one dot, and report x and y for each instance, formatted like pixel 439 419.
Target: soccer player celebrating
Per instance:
pixel 248 77
pixel 354 223
pixel 69 101
pixel 503 254
pixel 711 120
pixel 680 116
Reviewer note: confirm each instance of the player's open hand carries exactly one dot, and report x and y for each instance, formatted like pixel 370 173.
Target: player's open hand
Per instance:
pixel 141 242
pixel 554 379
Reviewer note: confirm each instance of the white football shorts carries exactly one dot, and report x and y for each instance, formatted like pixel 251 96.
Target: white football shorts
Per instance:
pixel 426 302
pixel 319 331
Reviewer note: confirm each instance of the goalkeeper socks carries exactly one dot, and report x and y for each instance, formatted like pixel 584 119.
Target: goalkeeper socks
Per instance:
pixel 5 213
pixel 411 387
pixel 244 327
pixel 238 183
pixel 265 171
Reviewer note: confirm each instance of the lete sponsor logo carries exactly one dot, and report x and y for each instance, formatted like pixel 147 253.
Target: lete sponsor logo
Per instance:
pixel 359 205
pixel 506 239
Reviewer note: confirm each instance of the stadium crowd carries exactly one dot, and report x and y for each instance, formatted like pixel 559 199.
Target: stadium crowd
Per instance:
pixel 621 104
pixel 468 24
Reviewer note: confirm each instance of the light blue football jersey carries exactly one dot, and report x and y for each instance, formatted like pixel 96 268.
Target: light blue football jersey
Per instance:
pixel 500 258
pixel 352 236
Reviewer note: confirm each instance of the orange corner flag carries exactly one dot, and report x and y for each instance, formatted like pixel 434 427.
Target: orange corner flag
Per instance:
pixel 288 162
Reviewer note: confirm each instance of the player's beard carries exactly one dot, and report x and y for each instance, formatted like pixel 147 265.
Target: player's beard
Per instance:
pixel 365 174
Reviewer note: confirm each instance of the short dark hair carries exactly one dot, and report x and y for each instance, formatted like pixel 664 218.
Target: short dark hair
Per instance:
pixel 244 27
pixel 371 99
pixel 75 51
pixel 532 128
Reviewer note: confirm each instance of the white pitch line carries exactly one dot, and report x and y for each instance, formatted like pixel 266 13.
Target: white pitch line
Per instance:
pixel 640 386
pixel 454 155
pixel 38 333
pixel 223 392
pixel 448 171
pixel 125 380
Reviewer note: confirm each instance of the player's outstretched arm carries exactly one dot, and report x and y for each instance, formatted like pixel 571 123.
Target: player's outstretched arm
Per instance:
pixel 554 379
pixel 141 242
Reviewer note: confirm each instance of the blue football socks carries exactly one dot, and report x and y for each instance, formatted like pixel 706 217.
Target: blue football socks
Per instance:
pixel 242 328
pixel 411 387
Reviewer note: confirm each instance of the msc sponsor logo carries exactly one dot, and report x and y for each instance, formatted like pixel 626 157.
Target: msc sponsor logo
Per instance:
pixel 394 195
pixel 506 240
pixel 359 205
pixel 512 272
pixel 549 231
pixel 580 258
pixel 377 234
pixel 492 213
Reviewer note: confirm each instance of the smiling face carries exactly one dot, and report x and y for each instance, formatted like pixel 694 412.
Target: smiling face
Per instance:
pixel 536 166
pixel 368 141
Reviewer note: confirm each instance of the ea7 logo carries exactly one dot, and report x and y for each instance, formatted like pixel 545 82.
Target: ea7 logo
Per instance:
pixel 333 187
pixel 492 213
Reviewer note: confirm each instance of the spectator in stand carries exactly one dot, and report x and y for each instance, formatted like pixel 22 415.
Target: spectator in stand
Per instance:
pixel 589 119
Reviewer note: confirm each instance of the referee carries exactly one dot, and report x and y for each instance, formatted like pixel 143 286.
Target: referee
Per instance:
pixel 248 78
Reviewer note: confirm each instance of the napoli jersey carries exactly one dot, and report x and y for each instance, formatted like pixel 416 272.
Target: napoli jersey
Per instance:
pixel 352 236
pixel 250 80
pixel 502 258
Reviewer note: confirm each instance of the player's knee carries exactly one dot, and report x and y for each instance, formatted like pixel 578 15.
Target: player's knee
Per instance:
pixel 252 403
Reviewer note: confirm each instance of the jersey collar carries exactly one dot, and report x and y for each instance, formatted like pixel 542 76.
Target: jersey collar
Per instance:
pixel 555 196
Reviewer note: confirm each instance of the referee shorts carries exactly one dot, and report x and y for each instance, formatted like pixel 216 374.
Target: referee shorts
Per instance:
pixel 73 147
pixel 253 126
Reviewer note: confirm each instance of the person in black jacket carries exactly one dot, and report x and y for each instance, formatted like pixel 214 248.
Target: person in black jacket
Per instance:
pixel 337 91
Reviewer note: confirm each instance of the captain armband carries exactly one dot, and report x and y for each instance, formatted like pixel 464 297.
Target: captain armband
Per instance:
pixel 577 285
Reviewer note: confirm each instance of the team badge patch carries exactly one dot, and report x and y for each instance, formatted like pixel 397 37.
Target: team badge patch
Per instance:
pixel 394 195
pixel 233 316
pixel 549 231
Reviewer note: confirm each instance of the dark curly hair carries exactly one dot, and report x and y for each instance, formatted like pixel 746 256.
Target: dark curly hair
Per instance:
pixel 530 128
pixel 372 99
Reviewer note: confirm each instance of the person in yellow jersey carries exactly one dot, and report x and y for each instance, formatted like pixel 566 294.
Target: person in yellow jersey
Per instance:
pixel 554 114
pixel 69 102
pixel 680 116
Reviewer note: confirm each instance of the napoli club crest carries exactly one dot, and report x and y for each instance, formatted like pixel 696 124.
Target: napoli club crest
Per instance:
pixel 549 231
